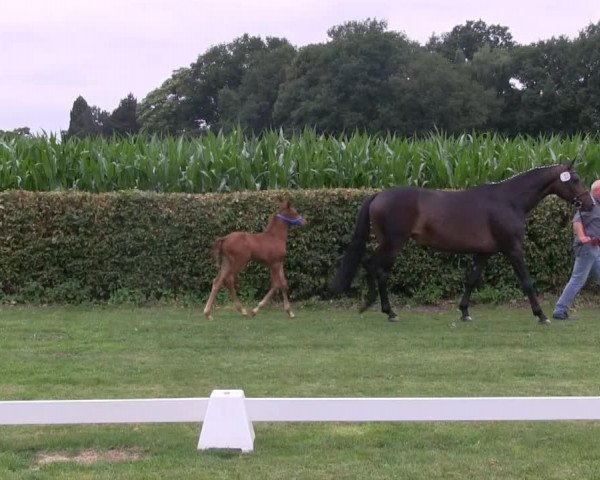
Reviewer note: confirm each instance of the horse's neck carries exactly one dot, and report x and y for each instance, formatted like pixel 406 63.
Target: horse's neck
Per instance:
pixel 530 188
pixel 276 228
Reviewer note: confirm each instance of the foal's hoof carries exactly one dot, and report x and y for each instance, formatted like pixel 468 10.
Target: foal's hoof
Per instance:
pixel 253 312
pixel 209 316
pixel 466 318
pixel 291 314
pixel 393 318
pixel 244 312
pixel 544 321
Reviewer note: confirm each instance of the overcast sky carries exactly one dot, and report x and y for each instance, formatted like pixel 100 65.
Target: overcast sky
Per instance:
pixel 52 51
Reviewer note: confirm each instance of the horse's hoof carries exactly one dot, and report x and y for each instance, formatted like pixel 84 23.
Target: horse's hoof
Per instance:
pixel 393 318
pixel 291 314
pixel 244 312
pixel 364 307
pixel 254 312
pixel 209 317
pixel 466 318
pixel 544 321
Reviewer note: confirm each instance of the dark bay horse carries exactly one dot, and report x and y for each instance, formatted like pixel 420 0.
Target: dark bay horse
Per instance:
pixel 232 252
pixel 482 220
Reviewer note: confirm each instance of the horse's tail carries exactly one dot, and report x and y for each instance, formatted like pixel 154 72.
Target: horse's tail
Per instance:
pixel 355 251
pixel 216 251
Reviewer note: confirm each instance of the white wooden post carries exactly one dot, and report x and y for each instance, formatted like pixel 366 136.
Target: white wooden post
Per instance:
pixel 226 423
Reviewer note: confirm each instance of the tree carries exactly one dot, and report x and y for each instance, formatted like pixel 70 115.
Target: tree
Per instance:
pixel 464 41
pixel 122 120
pixel 492 68
pixel 17 132
pixel 548 83
pixel 587 53
pixel 83 120
pixel 250 104
pixel 230 83
pixel 165 109
pixel 343 85
pixel 435 93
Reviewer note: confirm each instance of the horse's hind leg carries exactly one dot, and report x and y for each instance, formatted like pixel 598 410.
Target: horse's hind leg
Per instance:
pixel 371 272
pixel 275 285
pixel 387 262
pixel 479 262
pixel 378 268
pixel 286 304
pixel 230 284
pixel 216 285
pixel 266 299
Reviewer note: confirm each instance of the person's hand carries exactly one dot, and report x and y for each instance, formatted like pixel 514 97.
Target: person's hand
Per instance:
pixel 585 239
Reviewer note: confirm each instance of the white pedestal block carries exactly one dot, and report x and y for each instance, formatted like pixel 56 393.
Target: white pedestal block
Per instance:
pixel 226 424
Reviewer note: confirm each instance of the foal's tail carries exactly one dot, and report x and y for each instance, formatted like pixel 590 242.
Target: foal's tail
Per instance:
pixel 355 251
pixel 216 251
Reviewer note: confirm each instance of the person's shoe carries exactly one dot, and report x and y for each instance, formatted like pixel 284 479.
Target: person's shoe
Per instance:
pixel 561 316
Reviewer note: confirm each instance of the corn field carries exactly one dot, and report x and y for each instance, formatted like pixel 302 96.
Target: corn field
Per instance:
pixel 218 162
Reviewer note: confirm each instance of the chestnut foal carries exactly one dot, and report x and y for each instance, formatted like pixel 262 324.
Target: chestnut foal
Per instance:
pixel 234 251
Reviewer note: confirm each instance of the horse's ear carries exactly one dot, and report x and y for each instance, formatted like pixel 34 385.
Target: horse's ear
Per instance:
pixel 578 156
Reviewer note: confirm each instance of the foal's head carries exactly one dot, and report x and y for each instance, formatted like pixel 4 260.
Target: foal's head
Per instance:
pixel 289 214
pixel 569 187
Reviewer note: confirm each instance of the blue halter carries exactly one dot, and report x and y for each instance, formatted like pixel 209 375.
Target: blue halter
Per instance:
pixel 288 220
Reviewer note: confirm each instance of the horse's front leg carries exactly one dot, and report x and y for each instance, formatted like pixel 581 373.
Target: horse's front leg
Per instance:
pixel 287 307
pixel 479 262
pixel 516 259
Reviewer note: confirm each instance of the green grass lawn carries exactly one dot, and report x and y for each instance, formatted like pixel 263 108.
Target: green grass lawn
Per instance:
pixel 93 352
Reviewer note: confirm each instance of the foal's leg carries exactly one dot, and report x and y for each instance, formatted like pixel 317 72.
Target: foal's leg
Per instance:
pixel 516 259
pixel 479 262
pixel 284 292
pixel 230 284
pixel 275 285
pixel 217 283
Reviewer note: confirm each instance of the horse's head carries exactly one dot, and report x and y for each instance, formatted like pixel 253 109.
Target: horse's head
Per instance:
pixel 569 187
pixel 289 214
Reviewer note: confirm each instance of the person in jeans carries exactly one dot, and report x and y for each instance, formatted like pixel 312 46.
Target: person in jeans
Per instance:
pixel 586 226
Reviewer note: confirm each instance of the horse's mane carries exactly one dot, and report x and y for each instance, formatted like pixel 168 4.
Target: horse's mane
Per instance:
pixel 526 172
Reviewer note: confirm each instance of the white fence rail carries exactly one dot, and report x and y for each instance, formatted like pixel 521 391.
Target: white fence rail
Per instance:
pixel 227 416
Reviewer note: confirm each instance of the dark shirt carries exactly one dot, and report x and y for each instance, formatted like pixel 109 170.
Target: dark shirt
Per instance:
pixel 590 220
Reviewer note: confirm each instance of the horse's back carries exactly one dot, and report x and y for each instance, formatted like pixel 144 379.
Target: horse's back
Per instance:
pixel 253 246
pixel 450 220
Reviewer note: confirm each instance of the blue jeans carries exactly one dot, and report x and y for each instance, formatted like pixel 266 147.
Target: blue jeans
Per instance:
pixel 587 259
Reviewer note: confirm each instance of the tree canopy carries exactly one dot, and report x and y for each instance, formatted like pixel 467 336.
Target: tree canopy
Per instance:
pixel 368 78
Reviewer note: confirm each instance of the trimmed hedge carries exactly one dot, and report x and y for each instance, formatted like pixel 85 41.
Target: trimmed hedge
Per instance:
pixel 78 247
